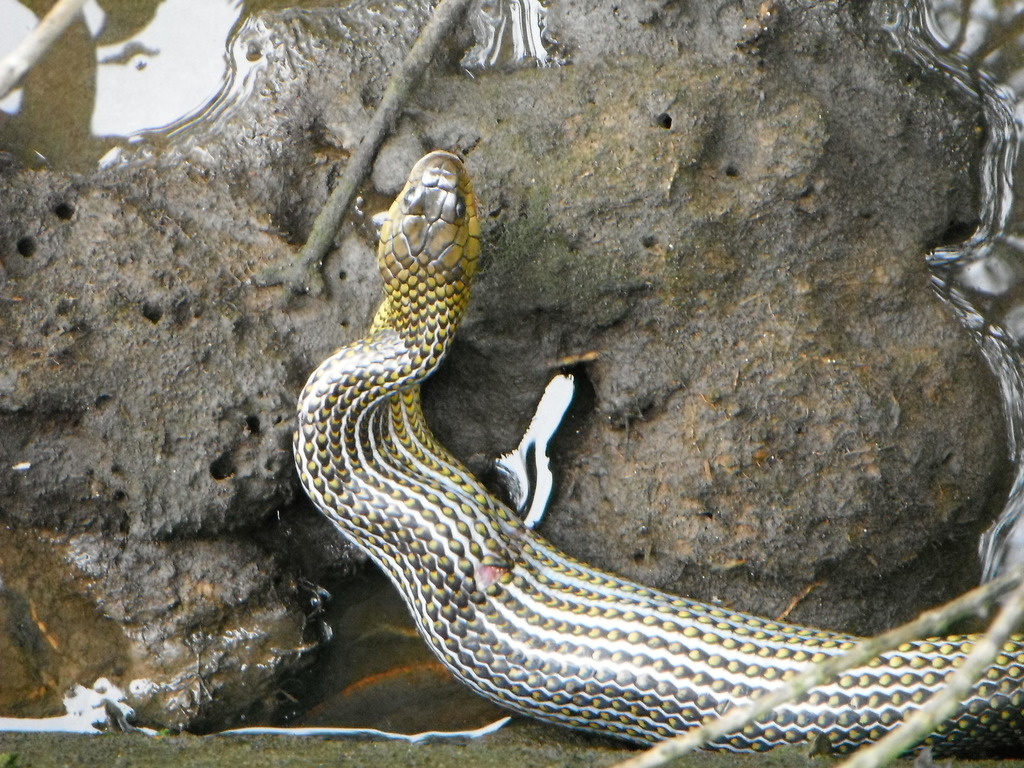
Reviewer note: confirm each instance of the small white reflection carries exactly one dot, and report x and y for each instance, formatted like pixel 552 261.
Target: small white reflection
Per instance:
pixel 992 275
pixel 111 158
pixel 141 688
pixel 509 32
pixel 1013 323
pixel 530 459
pixel 88 710
pixel 18 21
pixel 95 18
pixel 11 103
pixel 373 733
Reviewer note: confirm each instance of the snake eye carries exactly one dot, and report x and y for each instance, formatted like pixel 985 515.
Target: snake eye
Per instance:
pixel 411 198
pixel 460 207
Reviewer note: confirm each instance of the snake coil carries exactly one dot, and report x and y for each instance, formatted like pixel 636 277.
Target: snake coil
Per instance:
pixel 524 624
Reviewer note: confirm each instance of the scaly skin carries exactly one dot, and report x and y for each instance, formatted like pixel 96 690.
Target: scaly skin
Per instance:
pixel 522 623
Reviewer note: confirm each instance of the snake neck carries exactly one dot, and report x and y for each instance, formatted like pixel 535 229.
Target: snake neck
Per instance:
pixel 523 623
pixel 369 461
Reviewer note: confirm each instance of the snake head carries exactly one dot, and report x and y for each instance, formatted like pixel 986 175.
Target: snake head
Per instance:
pixel 430 240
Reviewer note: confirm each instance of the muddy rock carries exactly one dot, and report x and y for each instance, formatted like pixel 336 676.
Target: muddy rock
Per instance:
pixel 715 218
pixel 735 251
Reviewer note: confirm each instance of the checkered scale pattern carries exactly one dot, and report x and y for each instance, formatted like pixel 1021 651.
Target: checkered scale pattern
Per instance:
pixel 519 621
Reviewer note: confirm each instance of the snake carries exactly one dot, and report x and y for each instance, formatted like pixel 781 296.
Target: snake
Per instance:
pixel 526 625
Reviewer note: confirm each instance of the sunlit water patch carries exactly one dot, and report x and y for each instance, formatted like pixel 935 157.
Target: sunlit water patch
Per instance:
pixel 167 69
pixel 250 49
pixel 18 22
pixel 133 68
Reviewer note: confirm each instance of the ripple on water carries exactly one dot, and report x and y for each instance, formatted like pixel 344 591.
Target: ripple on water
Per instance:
pixel 975 46
pixel 174 71
pixel 511 33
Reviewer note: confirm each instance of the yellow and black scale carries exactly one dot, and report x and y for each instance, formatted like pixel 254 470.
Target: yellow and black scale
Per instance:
pixel 524 624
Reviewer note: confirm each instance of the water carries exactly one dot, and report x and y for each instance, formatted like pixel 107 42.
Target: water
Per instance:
pixel 139 83
pixel 174 70
pixel 139 68
pixel 511 33
pixel 977 45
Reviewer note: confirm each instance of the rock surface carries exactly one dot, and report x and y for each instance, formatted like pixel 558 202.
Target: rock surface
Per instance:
pixel 717 220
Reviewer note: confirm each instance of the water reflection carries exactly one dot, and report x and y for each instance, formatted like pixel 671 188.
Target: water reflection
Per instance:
pixel 975 45
pixel 139 83
pixel 510 33
pixel 125 67
pixel 43 132
pixel 159 68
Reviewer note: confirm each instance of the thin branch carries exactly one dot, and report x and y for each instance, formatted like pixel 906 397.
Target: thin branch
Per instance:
pixel 19 61
pixel 928 623
pixel 944 703
pixel 304 276
pixel 961 33
pixel 1005 32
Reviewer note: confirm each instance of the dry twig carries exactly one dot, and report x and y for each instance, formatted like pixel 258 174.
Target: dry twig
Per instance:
pixel 30 50
pixel 928 623
pixel 303 275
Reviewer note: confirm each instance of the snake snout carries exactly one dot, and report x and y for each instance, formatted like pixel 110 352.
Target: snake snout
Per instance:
pixel 432 230
pixel 436 190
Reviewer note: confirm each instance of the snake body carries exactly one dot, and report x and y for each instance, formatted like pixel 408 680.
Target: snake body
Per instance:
pixel 529 627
